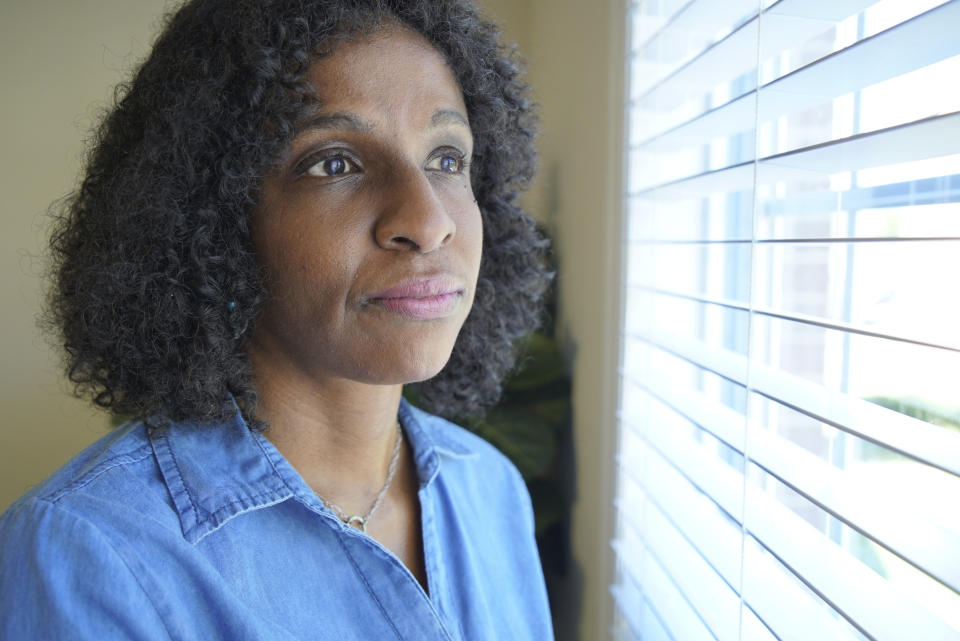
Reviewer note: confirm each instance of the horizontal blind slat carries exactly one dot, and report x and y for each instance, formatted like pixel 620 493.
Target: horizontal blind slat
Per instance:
pixel 785 604
pixel 859 507
pixel 923 40
pixel 753 627
pixel 668 14
pixel 647 242
pixel 634 608
pixel 665 599
pixel 856 592
pixel 832 10
pixel 724 59
pixel 819 482
pixel 850 328
pixel 710 597
pixel 909 436
pixel 719 122
pixel 715 535
pixel 804 319
pixel 714 478
pixel 727 180
pixel 879 517
pixel 927 138
pixel 721 421
pixel 723 362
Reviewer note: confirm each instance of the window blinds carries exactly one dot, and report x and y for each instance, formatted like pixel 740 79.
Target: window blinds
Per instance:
pixel 789 420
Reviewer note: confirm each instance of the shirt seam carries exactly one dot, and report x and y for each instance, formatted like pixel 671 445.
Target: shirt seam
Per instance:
pixel 225 512
pixel 180 481
pixel 438 441
pixel 116 553
pixel 97 472
pixel 373 595
pixel 273 464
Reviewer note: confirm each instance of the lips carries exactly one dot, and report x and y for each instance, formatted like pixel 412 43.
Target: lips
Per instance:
pixel 422 298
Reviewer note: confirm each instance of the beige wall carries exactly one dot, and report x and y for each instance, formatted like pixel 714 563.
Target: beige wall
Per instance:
pixel 575 66
pixel 58 62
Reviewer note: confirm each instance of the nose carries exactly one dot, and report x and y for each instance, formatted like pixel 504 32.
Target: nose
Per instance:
pixel 413 216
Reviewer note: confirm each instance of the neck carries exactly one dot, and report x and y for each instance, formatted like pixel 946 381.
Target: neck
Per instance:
pixel 338 434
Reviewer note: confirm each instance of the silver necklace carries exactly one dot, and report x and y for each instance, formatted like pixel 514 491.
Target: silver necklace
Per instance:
pixel 360 522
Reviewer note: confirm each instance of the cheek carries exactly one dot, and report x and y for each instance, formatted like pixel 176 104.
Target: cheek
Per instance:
pixel 472 232
pixel 477 242
pixel 305 280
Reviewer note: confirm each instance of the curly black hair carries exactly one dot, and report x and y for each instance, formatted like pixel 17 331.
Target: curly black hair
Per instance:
pixel 154 277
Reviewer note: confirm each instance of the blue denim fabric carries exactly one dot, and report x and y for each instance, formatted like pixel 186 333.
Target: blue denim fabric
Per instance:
pixel 207 532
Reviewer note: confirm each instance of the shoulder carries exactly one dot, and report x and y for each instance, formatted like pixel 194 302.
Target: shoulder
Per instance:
pixel 60 553
pixel 125 447
pixel 106 486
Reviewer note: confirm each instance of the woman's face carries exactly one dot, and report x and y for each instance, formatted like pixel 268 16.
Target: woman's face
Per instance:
pixel 368 229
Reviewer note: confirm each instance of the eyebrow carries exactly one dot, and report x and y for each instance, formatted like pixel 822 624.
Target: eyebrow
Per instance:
pixel 350 122
pixel 448 117
pixel 336 122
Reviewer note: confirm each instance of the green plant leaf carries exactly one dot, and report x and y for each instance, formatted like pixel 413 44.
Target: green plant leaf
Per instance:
pixel 540 363
pixel 553 410
pixel 550 506
pixel 526 439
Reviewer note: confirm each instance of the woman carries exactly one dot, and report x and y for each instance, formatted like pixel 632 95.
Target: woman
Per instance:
pixel 297 207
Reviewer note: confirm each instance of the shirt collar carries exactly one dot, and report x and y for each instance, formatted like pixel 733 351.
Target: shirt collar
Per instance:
pixel 430 440
pixel 215 471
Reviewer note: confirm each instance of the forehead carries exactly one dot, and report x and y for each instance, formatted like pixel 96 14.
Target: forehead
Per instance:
pixel 392 72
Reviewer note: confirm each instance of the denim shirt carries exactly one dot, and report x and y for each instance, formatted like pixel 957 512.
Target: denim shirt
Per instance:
pixel 207 532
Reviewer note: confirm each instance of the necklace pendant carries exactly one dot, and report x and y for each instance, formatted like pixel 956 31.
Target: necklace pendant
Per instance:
pixel 360 522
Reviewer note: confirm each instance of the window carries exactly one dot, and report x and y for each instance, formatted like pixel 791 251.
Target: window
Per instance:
pixel 789 420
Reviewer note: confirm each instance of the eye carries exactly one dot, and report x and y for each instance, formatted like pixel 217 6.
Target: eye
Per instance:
pixel 337 165
pixel 447 161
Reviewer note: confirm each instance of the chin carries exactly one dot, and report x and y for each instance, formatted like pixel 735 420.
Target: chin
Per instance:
pixel 415 367
pixel 425 371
